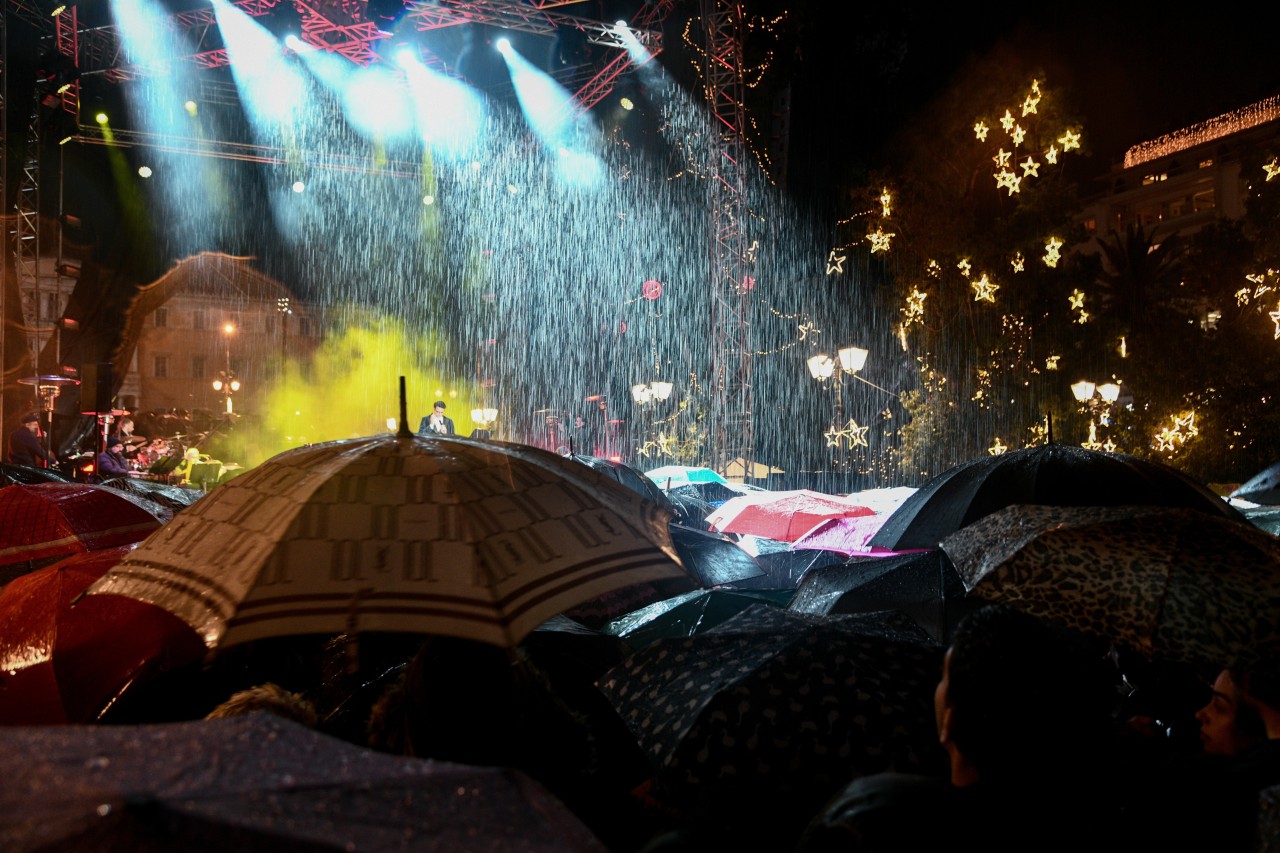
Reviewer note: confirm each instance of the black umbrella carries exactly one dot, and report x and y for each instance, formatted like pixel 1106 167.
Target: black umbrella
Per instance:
pixel 713 558
pixel 259 782
pixel 786 568
pixel 923 585
pixel 627 476
pixel 11 472
pixel 769 713
pixel 174 498
pixel 1050 475
pixel 1261 488
pixel 691 613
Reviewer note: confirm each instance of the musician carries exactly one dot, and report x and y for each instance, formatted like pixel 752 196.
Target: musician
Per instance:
pixel 111 462
pixel 436 423
pixel 25 447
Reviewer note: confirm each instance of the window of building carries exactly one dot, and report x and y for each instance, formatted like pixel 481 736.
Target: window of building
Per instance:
pixel 1205 164
pixel 160 366
pixel 1147 180
pixel 1203 200
pixel 199 319
pixel 197 367
pixel 161 318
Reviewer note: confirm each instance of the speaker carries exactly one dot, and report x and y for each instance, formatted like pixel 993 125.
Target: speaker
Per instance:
pixel 95 388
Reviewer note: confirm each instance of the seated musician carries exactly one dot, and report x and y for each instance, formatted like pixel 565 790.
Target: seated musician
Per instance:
pixel 111 462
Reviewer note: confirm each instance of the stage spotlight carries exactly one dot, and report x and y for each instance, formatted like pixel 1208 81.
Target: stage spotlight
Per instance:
pixel 144 171
pixel 428 200
pixel 100 118
pixel 191 108
pixel 503 45
pixel 299 186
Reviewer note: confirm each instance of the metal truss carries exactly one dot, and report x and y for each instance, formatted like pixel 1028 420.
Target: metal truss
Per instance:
pixel 732 419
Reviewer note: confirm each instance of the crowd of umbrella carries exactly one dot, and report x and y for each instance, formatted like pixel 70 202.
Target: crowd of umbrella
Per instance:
pixel 758 648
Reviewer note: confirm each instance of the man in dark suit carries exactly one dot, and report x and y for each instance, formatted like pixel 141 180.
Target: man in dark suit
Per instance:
pixel 25 447
pixel 436 423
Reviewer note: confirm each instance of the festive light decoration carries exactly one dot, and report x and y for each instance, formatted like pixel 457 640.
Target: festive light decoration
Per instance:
pixel 1092 443
pixel 1273 168
pixel 835 263
pixel 886 203
pixel 1009 180
pixel 1039 433
pixel 880 240
pixel 914 309
pixel 1002 159
pixel 857 435
pixel 1083 318
pixel 1006 121
pixel 1123 348
pixel 997 447
pixel 1206 131
pixel 1051 155
pixel 1275 318
pixel 1018 134
pixel 1070 140
pixel 981 130
pixel 1052 252
pixel 1051 363
pixel 984 290
pixel 1030 168
pixel 1076 299
pixel 806 328
pixel 833 436
pixel 965 267
pixel 1109 446
pixel 934 268
pixel 1018 263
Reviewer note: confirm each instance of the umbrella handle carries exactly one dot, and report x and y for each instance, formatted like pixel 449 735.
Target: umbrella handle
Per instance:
pixel 404 414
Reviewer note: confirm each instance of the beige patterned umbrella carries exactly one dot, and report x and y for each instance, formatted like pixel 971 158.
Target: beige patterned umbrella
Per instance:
pixel 469 538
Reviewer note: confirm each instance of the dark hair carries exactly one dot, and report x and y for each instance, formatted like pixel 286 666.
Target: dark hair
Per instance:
pixel 30 418
pixel 1255 687
pixel 438 404
pixel 1024 694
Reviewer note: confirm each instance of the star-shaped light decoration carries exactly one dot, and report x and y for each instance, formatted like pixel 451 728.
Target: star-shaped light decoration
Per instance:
pixel 915 306
pixel 649 447
pixel 984 290
pixel 1255 277
pixel 880 240
pixel 1029 105
pixel 1051 252
pixel 1275 318
pixel 666 443
pixel 1052 155
pixel 933 268
pixel 1109 446
pixel 1273 168
pixel 1242 296
pixel 1002 158
pixel 1166 439
pixel 1030 168
pixel 752 250
pixel 997 447
pixel 1018 262
pixel 964 266
pixel 833 436
pixel 886 203
pixel 981 130
pixel 1051 363
pixel 1069 140
pixel 1006 121
pixel 857 435
pixel 1083 318
pixel 835 262
pixel 1039 433
pixel 806 328
pixel 1076 299
pixel 1017 134
pixel 1011 180
pixel 1186 424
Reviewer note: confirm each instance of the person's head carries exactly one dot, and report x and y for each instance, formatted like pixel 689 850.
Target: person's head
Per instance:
pixel 31 421
pixel 1018 696
pixel 271 698
pixel 438 407
pixel 115 445
pixel 1242 712
pixel 192 454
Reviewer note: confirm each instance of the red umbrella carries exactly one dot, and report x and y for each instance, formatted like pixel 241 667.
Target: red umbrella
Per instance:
pixel 41 522
pixel 65 658
pixel 782 516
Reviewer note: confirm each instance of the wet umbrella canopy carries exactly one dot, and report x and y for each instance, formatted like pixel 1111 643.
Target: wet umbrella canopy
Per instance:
pixel 1173 583
pixel 259 782
pixel 444 535
pixel 1051 474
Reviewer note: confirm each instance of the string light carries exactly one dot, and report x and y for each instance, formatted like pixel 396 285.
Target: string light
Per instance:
pixel 1206 131
pixel 880 240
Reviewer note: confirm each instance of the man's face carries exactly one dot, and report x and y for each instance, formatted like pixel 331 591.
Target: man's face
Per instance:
pixel 439 410
pixel 33 426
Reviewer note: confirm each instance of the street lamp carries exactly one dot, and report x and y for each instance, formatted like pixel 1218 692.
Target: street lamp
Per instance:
pixel 652 392
pixel 227 384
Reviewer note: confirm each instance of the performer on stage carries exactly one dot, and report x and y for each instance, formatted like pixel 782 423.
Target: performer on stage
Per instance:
pixel 436 423
pixel 25 447
pixel 111 462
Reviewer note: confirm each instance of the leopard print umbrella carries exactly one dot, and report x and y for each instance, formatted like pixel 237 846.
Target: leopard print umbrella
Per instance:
pixel 1173 583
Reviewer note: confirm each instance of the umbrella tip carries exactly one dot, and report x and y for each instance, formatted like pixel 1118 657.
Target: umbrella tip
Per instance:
pixel 1049 426
pixel 403 432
